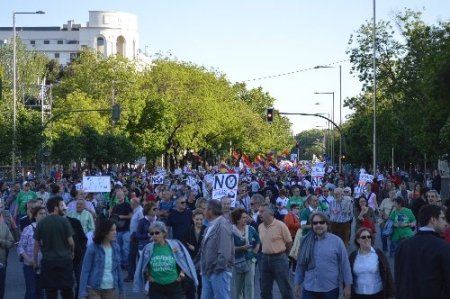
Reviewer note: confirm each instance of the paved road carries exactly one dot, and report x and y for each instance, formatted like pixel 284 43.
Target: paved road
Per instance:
pixel 15 284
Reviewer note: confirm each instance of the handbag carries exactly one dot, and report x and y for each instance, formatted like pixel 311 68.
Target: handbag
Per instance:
pixel 388 227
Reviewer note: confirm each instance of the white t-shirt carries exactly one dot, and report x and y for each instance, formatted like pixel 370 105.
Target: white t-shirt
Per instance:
pixel 281 204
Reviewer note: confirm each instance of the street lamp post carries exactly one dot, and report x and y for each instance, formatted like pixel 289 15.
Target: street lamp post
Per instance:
pixel 374 58
pixel 340 107
pixel 332 118
pixel 14 139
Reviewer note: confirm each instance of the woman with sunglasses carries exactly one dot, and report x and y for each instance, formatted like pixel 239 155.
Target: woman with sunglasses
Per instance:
pixel 164 263
pixel 372 277
pixel 101 275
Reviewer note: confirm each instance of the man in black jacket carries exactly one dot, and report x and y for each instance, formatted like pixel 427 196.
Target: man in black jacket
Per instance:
pixel 422 263
pixel 80 241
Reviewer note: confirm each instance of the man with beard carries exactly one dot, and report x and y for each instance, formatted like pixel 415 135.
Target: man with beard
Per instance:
pixel 54 238
pixel 323 255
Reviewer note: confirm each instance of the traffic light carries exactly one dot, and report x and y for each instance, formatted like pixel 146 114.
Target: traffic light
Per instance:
pixel 115 115
pixel 269 115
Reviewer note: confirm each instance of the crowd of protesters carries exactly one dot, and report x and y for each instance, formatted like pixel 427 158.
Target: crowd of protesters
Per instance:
pixel 172 240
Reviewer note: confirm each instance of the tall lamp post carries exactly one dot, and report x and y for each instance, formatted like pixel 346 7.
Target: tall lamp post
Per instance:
pixel 374 58
pixel 14 139
pixel 332 118
pixel 340 108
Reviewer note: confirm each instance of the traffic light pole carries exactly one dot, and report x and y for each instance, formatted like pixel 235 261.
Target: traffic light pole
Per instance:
pixel 326 118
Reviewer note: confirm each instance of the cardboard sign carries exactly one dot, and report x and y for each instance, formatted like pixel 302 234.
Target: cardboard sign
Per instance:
pixel 157 179
pixel 361 188
pixel 226 185
pixel 96 184
pixel 317 174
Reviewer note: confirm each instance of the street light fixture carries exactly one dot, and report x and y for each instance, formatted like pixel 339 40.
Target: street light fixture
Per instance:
pixel 14 141
pixel 340 106
pixel 332 118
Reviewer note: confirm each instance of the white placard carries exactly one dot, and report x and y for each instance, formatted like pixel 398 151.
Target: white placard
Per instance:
pixel 157 179
pixel 361 188
pixel 96 184
pixel 226 185
pixel 317 174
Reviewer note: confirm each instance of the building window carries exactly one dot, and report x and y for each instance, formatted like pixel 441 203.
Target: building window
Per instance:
pixel 120 46
pixel 60 42
pixel 56 55
pixel 46 42
pixel 72 42
pixel 33 42
pixel 101 48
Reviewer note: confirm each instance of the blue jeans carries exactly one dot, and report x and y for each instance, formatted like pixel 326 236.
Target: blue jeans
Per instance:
pixel 275 268
pixel 2 281
pixel 32 290
pixel 123 239
pixel 393 248
pixel 216 286
pixel 333 294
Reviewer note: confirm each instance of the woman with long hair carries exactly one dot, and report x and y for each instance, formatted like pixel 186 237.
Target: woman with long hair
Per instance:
pixel 101 275
pixel 365 216
pixel 192 240
pixel 164 263
pixel 246 245
pixel 372 277
pixel 25 252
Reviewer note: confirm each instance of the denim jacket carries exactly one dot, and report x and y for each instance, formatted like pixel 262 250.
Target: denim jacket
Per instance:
pixel 182 258
pixel 93 265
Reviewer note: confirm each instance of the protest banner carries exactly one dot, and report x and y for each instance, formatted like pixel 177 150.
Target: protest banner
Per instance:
pixel 157 179
pixel 361 188
pixel 96 184
pixel 226 185
pixel 317 174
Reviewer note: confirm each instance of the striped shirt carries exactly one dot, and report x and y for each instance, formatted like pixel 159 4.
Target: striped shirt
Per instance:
pixel 341 211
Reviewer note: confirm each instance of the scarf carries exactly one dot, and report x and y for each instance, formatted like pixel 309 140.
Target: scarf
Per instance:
pixel 306 252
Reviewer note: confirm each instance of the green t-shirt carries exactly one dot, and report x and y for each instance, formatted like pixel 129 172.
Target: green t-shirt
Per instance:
pixel 298 200
pixel 54 231
pixel 22 199
pixel 163 267
pixel 405 215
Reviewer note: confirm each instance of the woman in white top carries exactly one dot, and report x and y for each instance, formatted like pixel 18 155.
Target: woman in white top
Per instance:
pixel 282 201
pixel 372 277
pixel 101 276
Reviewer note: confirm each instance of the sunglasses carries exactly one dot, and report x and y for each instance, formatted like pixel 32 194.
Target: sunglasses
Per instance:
pixel 154 233
pixel 155 209
pixel 365 237
pixel 182 202
pixel 319 222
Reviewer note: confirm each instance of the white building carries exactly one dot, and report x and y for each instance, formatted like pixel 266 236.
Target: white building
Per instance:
pixel 108 32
